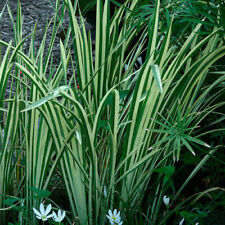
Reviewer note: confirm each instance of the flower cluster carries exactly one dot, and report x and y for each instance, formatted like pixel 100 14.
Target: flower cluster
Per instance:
pixel 43 214
pixel 114 217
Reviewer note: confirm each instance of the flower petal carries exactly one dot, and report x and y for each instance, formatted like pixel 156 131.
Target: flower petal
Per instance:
pixel 54 214
pixel 108 217
pixel 48 209
pixel 117 220
pixel 37 212
pixel 110 213
pixel 59 213
pixel 42 209
pixel 49 216
pixel 181 222
pixel 63 215
pixel 166 200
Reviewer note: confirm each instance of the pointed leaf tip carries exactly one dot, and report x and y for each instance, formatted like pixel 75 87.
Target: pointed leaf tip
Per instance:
pixel 157 76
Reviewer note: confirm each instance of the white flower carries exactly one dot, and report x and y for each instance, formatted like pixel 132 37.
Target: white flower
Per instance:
pixel 166 200
pixel 114 217
pixel 197 224
pixel 181 222
pixel 58 218
pixel 105 192
pixel 43 214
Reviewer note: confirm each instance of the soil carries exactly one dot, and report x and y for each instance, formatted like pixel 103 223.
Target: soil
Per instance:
pixel 33 11
pixel 40 13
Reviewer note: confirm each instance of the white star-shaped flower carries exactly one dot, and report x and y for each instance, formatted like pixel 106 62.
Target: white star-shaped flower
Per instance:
pixel 114 217
pixel 43 214
pixel 58 217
